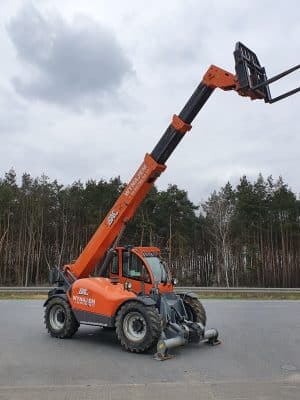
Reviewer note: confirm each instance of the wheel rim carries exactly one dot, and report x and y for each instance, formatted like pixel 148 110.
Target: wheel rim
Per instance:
pixel 57 317
pixel 134 326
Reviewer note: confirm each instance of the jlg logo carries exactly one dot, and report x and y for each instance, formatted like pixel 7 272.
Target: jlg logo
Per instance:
pixel 112 216
pixel 83 292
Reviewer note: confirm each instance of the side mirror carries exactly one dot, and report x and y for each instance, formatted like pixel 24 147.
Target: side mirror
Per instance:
pixel 174 281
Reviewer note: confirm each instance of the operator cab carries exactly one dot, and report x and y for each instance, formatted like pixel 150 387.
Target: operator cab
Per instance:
pixel 143 267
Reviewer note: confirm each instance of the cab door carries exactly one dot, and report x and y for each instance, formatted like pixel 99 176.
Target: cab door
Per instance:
pixel 135 271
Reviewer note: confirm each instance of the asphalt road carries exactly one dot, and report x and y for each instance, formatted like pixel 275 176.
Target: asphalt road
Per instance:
pixel 258 359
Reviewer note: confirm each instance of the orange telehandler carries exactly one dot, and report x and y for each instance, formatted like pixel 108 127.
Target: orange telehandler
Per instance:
pixel 134 292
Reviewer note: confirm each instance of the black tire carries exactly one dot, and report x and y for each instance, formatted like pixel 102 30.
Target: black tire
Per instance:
pixel 138 327
pixel 194 309
pixel 59 318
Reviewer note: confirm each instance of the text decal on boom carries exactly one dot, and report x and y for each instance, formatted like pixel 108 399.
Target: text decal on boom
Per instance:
pixel 136 180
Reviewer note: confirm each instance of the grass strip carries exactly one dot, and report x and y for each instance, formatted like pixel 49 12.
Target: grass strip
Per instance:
pixel 202 295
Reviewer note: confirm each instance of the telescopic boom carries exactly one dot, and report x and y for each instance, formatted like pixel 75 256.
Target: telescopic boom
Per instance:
pixel 250 80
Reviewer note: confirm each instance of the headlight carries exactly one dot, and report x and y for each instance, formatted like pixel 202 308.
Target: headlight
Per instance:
pixel 127 285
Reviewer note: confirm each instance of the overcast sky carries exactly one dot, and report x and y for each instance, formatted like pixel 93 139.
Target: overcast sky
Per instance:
pixel 88 87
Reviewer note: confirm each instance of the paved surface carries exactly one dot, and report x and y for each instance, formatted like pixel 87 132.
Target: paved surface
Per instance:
pixel 259 358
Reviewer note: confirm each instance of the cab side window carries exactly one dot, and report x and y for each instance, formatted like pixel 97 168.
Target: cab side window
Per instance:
pixel 114 267
pixel 134 268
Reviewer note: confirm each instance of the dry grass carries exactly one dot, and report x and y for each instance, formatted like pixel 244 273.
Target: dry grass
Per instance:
pixel 22 296
pixel 249 296
pixel 203 295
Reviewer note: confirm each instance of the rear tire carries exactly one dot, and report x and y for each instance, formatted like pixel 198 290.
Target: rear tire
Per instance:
pixel 59 318
pixel 195 309
pixel 138 327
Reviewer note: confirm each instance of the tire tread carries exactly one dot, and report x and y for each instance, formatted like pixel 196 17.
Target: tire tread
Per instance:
pixel 154 328
pixel 196 307
pixel 71 326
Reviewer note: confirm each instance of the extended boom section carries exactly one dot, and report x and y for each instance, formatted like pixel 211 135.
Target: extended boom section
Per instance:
pixel 250 80
pixel 143 180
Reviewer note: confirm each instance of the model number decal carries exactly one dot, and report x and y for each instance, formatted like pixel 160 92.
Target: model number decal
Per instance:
pixel 137 180
pixel 150 254
pixel 112 216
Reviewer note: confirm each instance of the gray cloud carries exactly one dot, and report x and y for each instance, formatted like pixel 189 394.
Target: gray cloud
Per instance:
pixel 73 64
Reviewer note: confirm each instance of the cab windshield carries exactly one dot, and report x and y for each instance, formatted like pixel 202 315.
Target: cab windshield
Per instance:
pixel 158 269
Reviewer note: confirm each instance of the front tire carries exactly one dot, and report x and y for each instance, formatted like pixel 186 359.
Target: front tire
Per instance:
pixel 194 308
pixel 59 318
pixel 138 327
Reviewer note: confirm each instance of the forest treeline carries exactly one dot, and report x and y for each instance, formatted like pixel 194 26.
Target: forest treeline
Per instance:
pixel 248 235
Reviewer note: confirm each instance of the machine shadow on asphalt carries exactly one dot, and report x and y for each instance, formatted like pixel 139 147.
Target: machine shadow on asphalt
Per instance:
pixel 99 339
